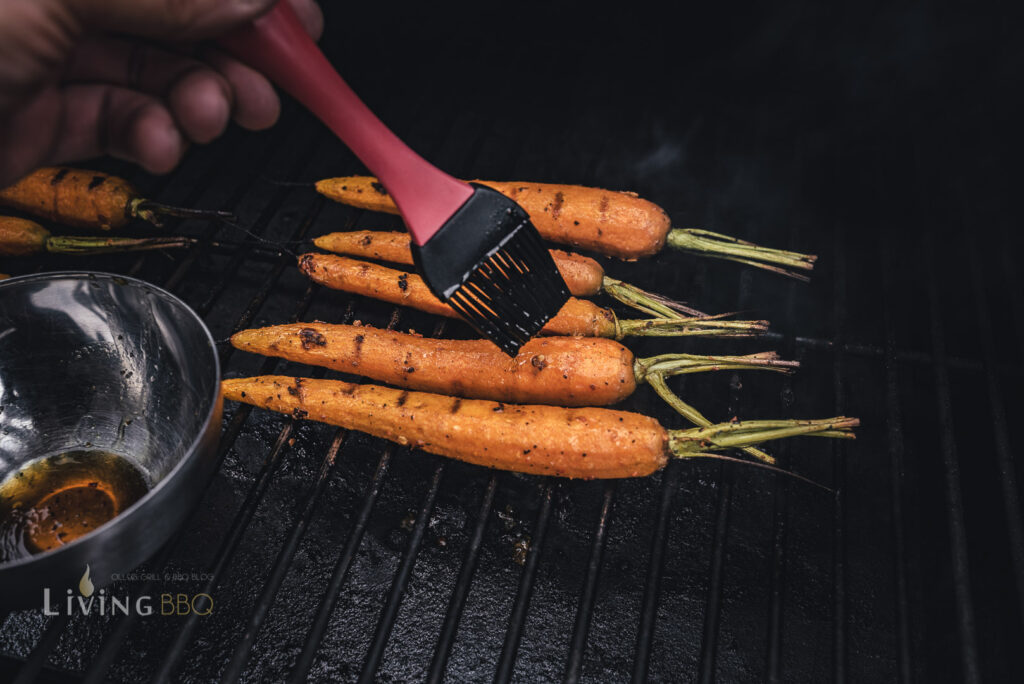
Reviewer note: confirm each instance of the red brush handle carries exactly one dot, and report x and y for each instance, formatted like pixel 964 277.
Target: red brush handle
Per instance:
pixel 278 46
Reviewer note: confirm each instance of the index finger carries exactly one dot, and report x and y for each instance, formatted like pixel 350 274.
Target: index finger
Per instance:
pixel 174 20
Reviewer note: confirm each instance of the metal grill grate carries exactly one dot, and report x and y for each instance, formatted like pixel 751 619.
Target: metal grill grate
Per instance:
pixel 334 556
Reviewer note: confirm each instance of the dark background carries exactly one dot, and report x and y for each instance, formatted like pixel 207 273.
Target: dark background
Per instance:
pixel 881 136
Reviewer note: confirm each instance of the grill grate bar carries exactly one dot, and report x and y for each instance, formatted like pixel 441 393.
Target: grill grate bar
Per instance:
pixel 780 516
pixel 284 261
pixel 258 228
pixel 111 646
pixel 197 250
pixel 268 365
pixel 114 640
pixel 712 615
pixel 329 601
pixel 450 626
pixel 587 595
pixel 1011 277
pixel 507 660
pixel 896 454
pixel 283 562
pixel 233 538
pixel 659 538
pixel 394 601
pixel 29 672
pixel 649 606
pixel 389 614
pixel 401 581
pixel 227 548
pixel 245 514
pixel 241 255
pixel 340 572
pixel 235 198
pixel 954 496
pixel 839 541
pixel 781 489
pixel 713 606
pixel 205 179
pixel 260 298
pixel 1004 459
pixel 923 358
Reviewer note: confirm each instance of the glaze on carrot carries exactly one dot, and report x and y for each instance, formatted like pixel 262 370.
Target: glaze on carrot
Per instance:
pixel 583 275
pixel 576 317
pixel 583 443
pixel 88 199
pixel 564 371
pixel 561 371
pixel 618 224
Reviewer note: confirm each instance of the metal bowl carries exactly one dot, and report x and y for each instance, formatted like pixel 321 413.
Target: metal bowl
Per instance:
pixel 98 361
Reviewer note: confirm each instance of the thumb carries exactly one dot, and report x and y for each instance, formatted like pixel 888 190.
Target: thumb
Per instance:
pixel 170 20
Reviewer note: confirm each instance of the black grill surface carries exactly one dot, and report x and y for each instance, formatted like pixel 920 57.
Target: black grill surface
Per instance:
pixel 873 135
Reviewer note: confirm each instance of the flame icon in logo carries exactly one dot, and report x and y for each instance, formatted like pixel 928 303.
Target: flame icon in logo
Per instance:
pixel 85 584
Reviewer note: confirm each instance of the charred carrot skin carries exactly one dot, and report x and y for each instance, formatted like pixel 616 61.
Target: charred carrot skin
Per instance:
pixel 576 317
pixel 619 224
pixel 542 440
pixel 562 371
pixel 90 199
pixel 583 275
pixel 554 370
pixel 74 197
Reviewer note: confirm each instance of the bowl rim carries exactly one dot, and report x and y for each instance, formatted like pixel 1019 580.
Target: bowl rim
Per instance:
pixel 193 445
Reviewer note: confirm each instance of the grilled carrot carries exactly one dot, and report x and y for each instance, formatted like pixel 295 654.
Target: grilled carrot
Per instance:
pixel 562 371
pixel 88 199
pixel 565 371
pixel 584 276
pixel 21 237
pixel 543 440
pixel 618 224
pixel 576 317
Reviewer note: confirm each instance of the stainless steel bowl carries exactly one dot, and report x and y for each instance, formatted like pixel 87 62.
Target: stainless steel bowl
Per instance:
pixel 105 362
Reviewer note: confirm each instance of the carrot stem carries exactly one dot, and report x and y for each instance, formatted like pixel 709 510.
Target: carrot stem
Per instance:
pixel 697 442
pixel 151 211
pixel 683 443
pixel 667 365
pixel 648 302
pixel 707 243
pixel 657 382
pixel 99 245
pixel 709 326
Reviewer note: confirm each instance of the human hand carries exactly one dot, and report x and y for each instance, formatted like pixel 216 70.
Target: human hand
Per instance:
pixel 129 78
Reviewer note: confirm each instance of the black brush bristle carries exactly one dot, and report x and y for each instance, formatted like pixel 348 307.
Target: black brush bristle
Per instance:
pixel 511 295
pixel 488 262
